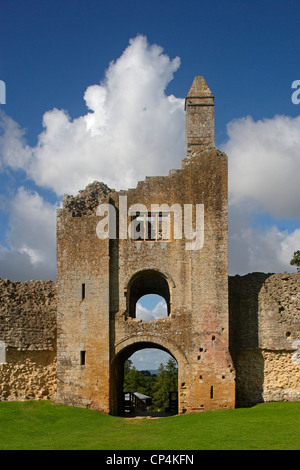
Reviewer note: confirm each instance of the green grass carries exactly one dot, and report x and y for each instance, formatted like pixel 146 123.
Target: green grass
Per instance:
pixel 42 426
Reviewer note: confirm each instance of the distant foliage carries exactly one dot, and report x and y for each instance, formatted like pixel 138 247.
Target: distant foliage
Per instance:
pixel 156 386
pixel 296 260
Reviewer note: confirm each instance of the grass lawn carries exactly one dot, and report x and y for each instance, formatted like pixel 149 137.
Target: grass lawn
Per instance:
pixel 42 425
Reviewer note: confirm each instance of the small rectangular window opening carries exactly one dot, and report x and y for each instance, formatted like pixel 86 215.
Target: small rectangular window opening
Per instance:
pixel 83 292
pixel 211 391
pixel 82 358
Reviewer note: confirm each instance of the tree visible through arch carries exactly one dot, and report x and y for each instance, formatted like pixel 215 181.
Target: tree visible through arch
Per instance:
pixel 157 384
pixel 120 382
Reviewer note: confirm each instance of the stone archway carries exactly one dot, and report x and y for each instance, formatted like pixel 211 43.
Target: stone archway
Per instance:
pixel 101 279
pixel 149 281
pixel 124 351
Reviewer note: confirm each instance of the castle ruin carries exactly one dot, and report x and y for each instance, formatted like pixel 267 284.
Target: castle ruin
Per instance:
pixel 234 340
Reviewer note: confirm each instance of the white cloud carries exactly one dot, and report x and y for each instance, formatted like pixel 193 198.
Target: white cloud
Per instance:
pixel 149 359
pixel 14 152
pixel 256 249
pixel 132 130
pixel 264 168
pixel 31 239
pixel 145 314
pixel 264 164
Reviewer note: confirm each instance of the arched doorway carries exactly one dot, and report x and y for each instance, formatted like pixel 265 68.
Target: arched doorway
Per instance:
pixel 117 375
pixel 147 282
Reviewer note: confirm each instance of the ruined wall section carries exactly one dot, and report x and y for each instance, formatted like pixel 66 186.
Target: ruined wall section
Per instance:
pixel 264 336
pixel 27 340
pixel 264 330
pixel 279 336
pixel 83 301
pixel 198 279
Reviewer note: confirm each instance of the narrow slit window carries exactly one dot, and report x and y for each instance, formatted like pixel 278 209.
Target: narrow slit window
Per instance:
pixel 83 292
pixel 211 391
pixel 82 358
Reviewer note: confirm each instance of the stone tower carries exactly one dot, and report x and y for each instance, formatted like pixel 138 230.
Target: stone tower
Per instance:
pixel 167 236
pixel 199 124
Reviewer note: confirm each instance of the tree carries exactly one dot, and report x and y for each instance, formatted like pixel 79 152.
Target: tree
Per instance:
pixel 296 260
pixel 160 389
pixel 137 381
pixel 172 375
pixel 132 378
pixel 166 382
pixel 157 387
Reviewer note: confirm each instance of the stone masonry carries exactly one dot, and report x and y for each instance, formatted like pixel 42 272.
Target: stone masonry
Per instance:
pixel 264 327
pixel 27 340
pixel 100 280
pixel 264 336
pixel 236 343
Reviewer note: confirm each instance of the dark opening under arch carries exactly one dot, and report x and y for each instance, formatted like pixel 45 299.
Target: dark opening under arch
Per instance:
pixel 144 283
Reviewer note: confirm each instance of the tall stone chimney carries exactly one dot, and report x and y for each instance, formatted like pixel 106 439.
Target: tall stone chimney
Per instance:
pixel 200 119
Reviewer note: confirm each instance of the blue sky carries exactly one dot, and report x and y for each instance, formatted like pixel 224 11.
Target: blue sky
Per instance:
pixel 98 62
pixel 52 51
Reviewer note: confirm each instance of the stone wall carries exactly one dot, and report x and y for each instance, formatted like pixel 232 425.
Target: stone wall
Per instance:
pixel 116 273
pixel 264 336
pixel 100 279
pixel 27 340
pixel 264 328
pixel 101 276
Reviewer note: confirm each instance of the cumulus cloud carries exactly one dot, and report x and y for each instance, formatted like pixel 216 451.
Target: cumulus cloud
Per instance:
pixel 252 248
pixel 146 314
pixel 132 128
pixel 149 359
pixel 264 164
pixel 264 167
pixel 31 252
pixel 14 152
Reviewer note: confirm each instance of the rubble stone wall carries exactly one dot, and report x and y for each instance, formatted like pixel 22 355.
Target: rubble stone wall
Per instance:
pixel 27 340
pixel 264 330
pixel 264 313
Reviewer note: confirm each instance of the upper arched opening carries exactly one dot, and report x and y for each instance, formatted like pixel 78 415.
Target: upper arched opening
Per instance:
pixel 144 283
